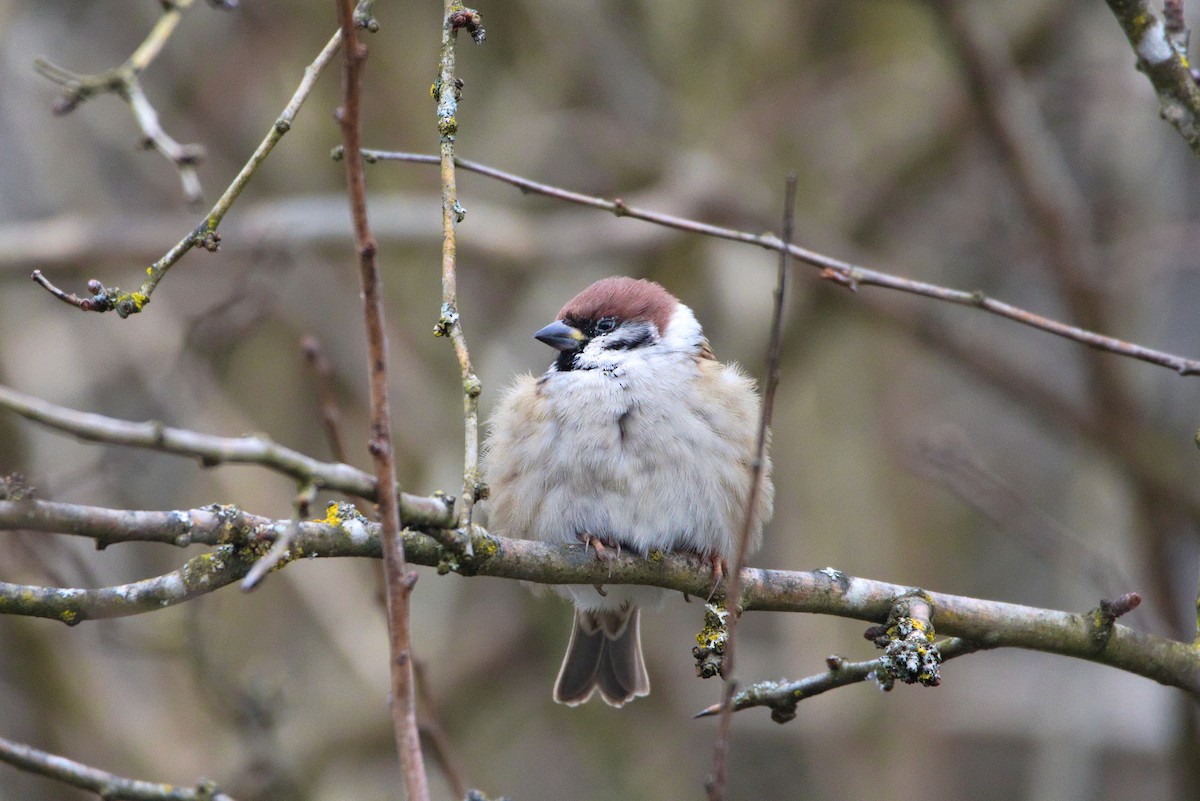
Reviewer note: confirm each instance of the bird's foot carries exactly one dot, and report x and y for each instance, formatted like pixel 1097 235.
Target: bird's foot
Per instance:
pixel 717 564
pixel 606 550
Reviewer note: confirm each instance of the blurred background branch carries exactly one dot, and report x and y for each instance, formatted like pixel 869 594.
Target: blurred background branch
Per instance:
pixel 903 159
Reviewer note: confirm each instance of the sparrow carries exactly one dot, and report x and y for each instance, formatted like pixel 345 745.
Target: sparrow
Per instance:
pixel 635 439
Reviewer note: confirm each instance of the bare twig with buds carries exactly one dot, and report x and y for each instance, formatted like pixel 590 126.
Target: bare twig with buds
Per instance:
pixel 447 91
pixel 205 234
pixel 397 578
pixel 847 274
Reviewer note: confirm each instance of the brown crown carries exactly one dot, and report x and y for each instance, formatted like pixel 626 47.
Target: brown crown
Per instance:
pixel 623 298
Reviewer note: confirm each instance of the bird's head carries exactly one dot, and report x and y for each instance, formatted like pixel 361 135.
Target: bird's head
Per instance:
pixel 619 318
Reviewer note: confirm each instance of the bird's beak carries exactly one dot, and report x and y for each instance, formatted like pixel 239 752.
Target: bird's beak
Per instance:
pixel 560 336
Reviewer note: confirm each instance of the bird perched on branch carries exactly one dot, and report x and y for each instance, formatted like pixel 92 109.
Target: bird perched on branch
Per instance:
pixel 636 438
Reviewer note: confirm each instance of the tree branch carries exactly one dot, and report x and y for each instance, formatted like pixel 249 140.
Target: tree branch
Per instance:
pixel 397 580
pixel 123 81
pixel 240 537
pixel 205 235
pixel 109 786
pixel 782 696
pixel 447 92
pixel 841 272
pixel 1163 58
pixel 720 774
pixel 429 512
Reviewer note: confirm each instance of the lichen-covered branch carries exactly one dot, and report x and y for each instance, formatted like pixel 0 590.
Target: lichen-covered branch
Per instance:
pixel 430 512
pixel 1163 58
pixel 241 537
pixel 447 91
pixel 841 272
pixel 107 785
pixel 782 696
pixel 106 298
pixel 124 82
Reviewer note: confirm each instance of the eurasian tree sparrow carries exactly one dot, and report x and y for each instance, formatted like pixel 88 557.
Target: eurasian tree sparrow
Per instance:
pixel 636 438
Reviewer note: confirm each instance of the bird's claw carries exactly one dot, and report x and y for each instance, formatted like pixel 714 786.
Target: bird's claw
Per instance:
pixel 605 550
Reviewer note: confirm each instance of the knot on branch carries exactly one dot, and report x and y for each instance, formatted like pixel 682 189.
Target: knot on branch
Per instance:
pixel 476 795
pixel 15 487
pixel 363 19
pixel 446 322
pixel 206 238
pixel 346 516
pixel 1104 616
pixel 470 20
pixel 710 649
pixel 909 653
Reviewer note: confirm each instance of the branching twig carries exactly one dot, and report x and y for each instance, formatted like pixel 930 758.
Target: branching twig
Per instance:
pixel 205 235
pixel 1165 63
pixel 845 273
pixel 241 536
pixel 106 785
pixel 782 696
pixel 716 786
pixel 447 91
pixel 397 580
pixel 123 81
pixel 213 450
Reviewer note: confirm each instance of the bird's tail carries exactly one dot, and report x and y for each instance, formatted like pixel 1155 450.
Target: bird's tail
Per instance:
pixel 605 653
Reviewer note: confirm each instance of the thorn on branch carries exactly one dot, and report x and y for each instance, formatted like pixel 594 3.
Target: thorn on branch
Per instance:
pixel 844 277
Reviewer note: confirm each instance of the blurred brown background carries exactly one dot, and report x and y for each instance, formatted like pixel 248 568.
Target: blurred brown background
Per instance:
pixel 915 442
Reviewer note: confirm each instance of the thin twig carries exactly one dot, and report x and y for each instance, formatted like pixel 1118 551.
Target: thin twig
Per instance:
pixel 123 81
pixel 398 581
pixel 107 785
pixel 213 450
pixel 205 234
pixel 240 536
pixel 720 775
pixel 845 273
pixel 447 92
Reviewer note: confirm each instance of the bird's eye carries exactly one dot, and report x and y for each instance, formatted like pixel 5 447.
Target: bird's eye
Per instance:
pixel 606 325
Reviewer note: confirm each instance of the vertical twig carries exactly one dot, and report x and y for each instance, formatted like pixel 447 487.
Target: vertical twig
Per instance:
pixel 447 91
pixel 398 581
pixel 717 783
